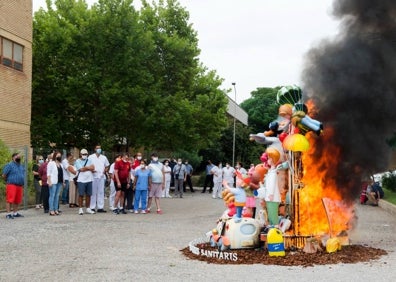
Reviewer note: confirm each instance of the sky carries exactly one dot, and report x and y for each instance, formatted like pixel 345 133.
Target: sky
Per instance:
pixel 256 43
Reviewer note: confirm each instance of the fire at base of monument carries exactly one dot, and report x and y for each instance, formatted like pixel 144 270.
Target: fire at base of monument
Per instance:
pixel 300 206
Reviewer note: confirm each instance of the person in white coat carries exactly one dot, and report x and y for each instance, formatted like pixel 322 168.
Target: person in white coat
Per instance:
pixel 217 180
pixel 101 164
pixel 229 174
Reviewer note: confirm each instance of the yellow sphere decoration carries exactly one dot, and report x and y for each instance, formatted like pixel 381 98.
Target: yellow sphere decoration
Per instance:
pixel 296 143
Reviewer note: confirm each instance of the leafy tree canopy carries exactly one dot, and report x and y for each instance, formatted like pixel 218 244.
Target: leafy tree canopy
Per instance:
pixel 121 76
pixel 262 108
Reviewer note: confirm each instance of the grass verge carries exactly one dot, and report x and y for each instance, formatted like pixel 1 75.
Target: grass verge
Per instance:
pixel 390 196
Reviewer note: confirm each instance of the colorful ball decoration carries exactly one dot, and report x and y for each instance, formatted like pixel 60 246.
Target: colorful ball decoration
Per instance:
pixel 289 95
pixel 296 143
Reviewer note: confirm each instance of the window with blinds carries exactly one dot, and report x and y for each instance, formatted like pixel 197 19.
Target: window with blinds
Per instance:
pixel 11 54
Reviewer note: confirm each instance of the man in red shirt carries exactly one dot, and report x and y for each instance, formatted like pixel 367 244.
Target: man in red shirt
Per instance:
pixel 122 178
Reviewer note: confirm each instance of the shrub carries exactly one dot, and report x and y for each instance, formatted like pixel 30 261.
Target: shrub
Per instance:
pixel 5 156
pixel 389 181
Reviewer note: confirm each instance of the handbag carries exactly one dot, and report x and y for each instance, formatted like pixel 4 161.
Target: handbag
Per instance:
pixel 177 174
pixel 76 177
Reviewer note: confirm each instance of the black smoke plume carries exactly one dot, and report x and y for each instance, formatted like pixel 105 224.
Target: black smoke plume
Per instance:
pixel 351 80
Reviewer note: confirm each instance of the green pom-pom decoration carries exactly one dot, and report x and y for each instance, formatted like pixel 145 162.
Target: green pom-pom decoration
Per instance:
pixel 289 95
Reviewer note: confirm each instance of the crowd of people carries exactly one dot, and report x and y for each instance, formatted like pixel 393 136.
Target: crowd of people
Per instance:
pixel 134 183
pixel 215 174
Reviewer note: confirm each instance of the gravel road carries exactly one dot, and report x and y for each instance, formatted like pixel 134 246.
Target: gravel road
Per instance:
pixel 146 247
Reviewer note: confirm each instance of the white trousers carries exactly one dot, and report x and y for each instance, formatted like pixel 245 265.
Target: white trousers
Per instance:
pixel 217 188
pixel 165 192
pixel 97 197
pixel 112 194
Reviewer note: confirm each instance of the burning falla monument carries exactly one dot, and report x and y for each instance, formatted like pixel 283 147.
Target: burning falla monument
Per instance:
pixel 313 206
pixel 349 85
pixel 333 130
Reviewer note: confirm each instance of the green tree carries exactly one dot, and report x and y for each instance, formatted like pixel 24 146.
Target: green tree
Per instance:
pixel 245 151
pixel 118 76
pixel 187 96
pixel 5 157
pixel 262 108
pixel 88 70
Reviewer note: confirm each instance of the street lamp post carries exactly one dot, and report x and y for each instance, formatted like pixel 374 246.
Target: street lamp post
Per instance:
pixel 233 137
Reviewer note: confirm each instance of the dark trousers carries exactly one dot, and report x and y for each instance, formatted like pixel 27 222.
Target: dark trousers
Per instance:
pixel 128 198
pixel 45 195
pixel 208 183
pixel 65 193
pixel 189 183
pixel 39 197
pixel 172 184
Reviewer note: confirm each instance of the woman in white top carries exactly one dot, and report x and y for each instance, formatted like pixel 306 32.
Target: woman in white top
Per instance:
pixel 55 181
pixel 167 172
pixel 73 193
pixel 229 174
pixel 239 167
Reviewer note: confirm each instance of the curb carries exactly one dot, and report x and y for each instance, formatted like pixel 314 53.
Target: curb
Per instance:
pixel 389 207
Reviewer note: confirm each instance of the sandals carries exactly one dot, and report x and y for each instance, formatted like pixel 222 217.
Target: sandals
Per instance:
pixel 52 213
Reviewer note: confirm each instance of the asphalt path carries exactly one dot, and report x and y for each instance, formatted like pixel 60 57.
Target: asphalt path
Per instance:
pixel 146 247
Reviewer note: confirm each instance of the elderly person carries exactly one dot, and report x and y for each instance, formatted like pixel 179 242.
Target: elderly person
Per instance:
pixel 180 173
pixel 84 168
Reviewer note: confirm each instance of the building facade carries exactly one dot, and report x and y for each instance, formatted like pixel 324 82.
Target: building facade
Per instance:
pixel 15 71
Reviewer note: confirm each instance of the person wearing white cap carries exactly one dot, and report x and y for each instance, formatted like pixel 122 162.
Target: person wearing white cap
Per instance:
pixel 84 168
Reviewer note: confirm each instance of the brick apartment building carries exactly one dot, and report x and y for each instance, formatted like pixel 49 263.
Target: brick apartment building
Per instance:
pixel 15 71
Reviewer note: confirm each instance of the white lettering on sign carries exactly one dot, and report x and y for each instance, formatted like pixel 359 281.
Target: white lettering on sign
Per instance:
pixel 194 250
pixel 219 255
pixel 209 253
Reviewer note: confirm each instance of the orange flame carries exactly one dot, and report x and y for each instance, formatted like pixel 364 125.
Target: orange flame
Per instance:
pixel 321 209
